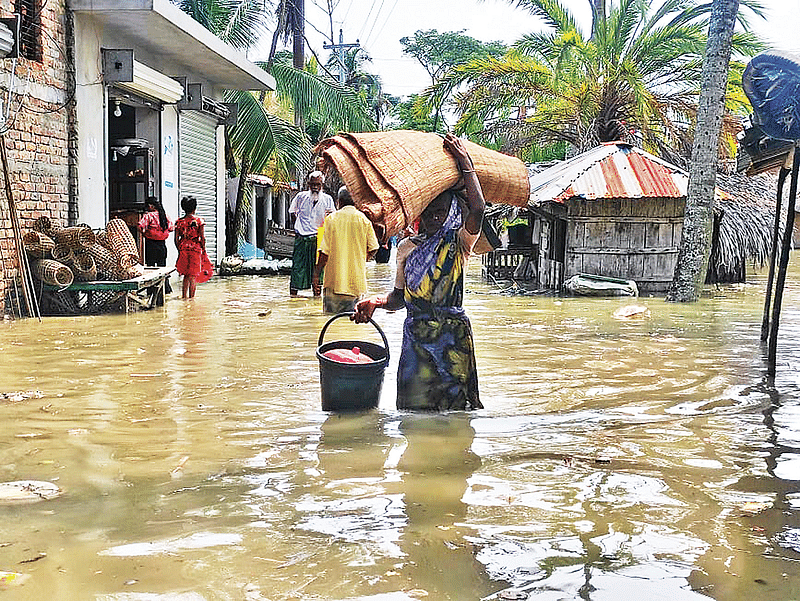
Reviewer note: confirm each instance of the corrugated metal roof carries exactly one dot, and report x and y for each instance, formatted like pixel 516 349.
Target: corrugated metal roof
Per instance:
pixel 612 170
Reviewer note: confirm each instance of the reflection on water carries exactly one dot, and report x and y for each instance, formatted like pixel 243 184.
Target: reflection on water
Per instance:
pixel 615 459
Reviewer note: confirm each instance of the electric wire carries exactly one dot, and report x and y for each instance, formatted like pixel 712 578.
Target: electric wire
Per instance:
pixel 366 20
pixel 380 31
pixel 375 21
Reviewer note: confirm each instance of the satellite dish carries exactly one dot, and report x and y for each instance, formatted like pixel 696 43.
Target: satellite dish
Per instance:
pixel 772 84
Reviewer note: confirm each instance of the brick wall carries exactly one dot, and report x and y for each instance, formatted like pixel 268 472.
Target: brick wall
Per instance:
pixel 36 138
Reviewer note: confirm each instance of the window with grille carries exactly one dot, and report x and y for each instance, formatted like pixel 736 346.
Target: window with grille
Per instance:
pixel 30 28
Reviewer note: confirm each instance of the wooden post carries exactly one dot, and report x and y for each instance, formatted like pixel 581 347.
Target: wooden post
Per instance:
pixel 784 262
pixel 765 323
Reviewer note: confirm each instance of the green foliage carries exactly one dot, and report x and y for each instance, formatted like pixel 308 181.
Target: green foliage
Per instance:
pixel 635 77
pixel 439 53
pixel 367 86
pixel 273 142
pixel 263 141
pixel 412 114
pixel 323 102
pixel 540 154
pixel 240 23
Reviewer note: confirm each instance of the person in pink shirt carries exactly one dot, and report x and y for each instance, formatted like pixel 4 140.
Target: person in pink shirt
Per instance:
pixel 155 228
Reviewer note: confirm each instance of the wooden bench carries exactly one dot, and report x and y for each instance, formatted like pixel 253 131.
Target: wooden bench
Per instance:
pixel 105 296
pixel 501 264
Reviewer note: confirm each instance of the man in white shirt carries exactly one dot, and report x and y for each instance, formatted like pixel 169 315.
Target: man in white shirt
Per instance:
pixel 307 211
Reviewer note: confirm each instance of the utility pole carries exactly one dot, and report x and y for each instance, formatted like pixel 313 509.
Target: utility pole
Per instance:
pixel 340 50
pixel 298 59
pixel 298 33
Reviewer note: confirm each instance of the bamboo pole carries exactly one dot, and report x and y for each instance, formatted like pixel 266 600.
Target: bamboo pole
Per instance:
pixel 5 261
pixel 765 322
pixel 22 258
pixel 782 267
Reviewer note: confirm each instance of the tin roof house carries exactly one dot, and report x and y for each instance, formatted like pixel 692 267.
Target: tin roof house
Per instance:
pixel 617 211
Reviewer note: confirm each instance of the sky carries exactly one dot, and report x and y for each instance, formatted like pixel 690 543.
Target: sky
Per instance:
pixel 378 26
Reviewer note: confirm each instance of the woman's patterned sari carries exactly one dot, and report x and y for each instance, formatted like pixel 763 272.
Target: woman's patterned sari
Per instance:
pixel 437 369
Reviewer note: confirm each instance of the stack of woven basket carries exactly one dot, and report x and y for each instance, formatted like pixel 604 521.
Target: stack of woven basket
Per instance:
pixel 61 255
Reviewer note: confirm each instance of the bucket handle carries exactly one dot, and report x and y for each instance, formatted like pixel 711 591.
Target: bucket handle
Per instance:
pixel 348 314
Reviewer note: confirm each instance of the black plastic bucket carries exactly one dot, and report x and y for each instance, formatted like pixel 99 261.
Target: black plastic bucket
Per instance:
pixel 351 386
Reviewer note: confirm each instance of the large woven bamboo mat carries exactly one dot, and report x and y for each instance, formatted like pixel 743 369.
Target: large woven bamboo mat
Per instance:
pixel 393 175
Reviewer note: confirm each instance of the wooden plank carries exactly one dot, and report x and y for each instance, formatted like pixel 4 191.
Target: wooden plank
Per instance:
pixel 592 263
pixel 593 232
pixel 665 265
pixel 636 266
pixel 677 231
pixel 612 207
pixel 666 235
pixel 593 250
pixel 624 234
pixel 609 265
pixel 573 263
pixel 629 219
pixel 577 234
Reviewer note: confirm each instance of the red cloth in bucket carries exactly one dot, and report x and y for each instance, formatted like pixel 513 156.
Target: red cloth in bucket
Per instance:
pixel 343 355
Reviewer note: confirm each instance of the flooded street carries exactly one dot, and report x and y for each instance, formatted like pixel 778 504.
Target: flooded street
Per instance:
pixel 615 459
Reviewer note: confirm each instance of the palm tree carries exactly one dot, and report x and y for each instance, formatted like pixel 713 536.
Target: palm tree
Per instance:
pixel 263 140
pixel 366 85
pixel 635 77
pixel 240 23
pixel 696 235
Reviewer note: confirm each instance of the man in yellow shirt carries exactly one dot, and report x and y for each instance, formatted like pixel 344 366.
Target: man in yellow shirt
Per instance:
pixel 348 242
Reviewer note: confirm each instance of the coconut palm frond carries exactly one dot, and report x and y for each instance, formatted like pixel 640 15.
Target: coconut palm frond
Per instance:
pixel 552 12
pixel 266 139
pixel 312 94
pixel 636 78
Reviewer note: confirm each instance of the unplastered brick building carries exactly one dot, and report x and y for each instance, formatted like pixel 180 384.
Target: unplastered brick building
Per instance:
pixel 35 101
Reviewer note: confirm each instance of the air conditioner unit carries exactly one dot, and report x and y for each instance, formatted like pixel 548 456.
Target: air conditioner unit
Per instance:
pixel 9 37
pixel 124 72
pixel 194 100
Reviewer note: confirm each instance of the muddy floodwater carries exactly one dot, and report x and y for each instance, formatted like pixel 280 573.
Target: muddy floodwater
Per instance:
pixel 616 459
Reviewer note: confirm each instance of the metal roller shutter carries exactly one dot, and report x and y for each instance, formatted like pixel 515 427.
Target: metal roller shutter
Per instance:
pixel 198 170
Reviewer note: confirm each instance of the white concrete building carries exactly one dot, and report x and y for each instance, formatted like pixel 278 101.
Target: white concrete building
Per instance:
pixel 148 115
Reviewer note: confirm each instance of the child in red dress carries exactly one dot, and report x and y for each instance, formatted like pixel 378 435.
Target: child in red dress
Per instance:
pixel 191 242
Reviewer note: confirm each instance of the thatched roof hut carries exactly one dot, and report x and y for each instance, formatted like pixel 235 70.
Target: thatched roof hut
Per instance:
pixel 744 224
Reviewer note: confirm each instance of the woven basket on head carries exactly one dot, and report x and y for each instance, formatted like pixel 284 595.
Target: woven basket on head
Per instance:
pixel 53 273
pixel 393 175
pixel 38 245
pixel 121 243
pixel 63 254
pixel 84 268
pixel 104 260
pixel 76 237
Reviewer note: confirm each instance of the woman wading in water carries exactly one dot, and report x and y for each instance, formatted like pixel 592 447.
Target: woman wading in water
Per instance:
pixel 437 369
